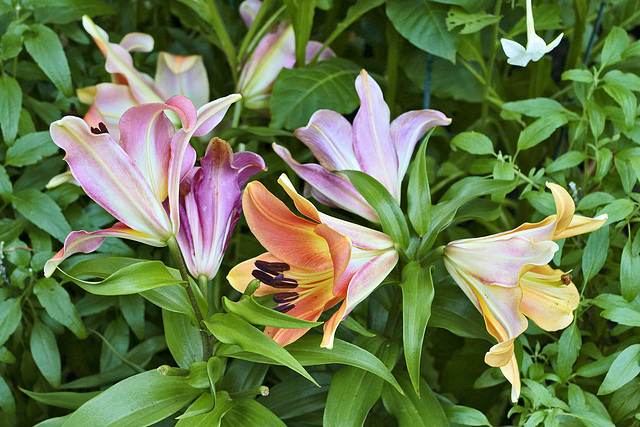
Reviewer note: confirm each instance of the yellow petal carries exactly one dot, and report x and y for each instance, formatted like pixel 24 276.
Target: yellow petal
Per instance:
pixel 580 225
pixel 565 208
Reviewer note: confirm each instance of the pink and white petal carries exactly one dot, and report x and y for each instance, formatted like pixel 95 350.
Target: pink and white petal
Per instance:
pixel 546 299
pixel 86 242
pixel 111 101
pixel 248 10
pixel 109 176
pixel 288 237
pixel 247 164
pixel 371 135
pixel 313 47
pixel 93 119
pixel 304 206
pixel 182 75
pixel 331 185
pixel 340 248
pixel 145 135
pixel 363 282
pixel 407 129
pixel 137 42
pixel 361 237
pixel 211 114
pixel 329 136
pixel 498 260
pixel 581 225
pixel 274 52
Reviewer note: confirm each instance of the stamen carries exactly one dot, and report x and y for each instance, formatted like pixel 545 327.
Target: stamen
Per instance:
pixel 272 267
pixel 285 308
pixel 285 297
pixel 262 276
pixel 102 128
pixel 280 281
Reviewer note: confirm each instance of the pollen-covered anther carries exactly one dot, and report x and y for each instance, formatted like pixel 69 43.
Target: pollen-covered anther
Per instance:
pixel 285 297
pixel 284 308
pixel 272 267
pixel 268 275
pixel 262 276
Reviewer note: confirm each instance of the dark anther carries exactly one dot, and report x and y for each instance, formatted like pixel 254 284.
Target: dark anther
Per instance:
pixel 72 111
pixel 285 308
pixel 280 281
pixel 285 297
pixel 262 276
pixel 102 128
pixel 272 267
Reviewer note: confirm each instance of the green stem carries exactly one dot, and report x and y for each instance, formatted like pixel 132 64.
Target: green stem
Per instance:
pixel 492 59
pixel 223 35
pixel 263 390
pixel 172 243
pixel 123 359
pixel 203 285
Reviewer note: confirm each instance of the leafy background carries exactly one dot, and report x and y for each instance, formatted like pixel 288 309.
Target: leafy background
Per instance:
pixel 571 118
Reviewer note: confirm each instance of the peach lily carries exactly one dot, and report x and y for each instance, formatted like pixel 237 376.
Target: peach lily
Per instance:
pixel 132 178
pixel 311 264
pixel 175 75
pixel 507 277
pixel 371 145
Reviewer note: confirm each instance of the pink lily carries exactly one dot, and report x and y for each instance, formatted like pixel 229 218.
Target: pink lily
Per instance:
pixel 506 276
pixel 132 178
pixel 274 52
pixel 371 145
pixel 212 204
pixel 311 264
pixel 175 75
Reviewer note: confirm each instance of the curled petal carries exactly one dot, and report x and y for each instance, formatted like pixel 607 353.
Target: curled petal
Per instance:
pixel 111 101
pixel 86 242
pixel 248 164
pixel 546 299
pixel 248 10
pixel 137 42
pixel 565 208
pixel 580 225
pixel 554 43
pixel 183 75
pixel 313 47
pixel 512 373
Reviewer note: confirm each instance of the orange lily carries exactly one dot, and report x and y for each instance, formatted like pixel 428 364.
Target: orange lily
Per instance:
pixel 506 276
pixel 311 264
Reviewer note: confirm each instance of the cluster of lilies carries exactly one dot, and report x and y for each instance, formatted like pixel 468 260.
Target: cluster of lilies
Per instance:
pixel 131 154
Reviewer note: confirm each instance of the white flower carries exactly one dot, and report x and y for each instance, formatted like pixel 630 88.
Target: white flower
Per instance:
pixel 536 47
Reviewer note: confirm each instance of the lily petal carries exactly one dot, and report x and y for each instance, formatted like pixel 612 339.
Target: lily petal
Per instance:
pixel 183 75
pixel 580 225
pixel 372 140
pixel 248 10
pixel 110 102
pixel 137 42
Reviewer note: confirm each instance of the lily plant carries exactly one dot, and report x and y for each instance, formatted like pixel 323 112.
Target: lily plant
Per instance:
pixel 311 263
pixel 371 145
pixel 507 277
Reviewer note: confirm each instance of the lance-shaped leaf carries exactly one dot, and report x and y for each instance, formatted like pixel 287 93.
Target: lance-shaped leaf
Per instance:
pixel 249 309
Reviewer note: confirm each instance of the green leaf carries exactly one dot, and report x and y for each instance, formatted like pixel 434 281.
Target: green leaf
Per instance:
pixel 623 369
pixel 183 339
pixel 132 307
pixel 10 319
pixel 629 272
pixel 413 410
pixel 142 399
pixel 42 211
pixel 595 253
pixel 6 188
pixel 473 22
pixel 66 11
pixel 55 299
pixel 626 100
pixel 568 348
pixel 139 277
pixel 583 76
pixel 231 329
pixel 10 230
pixel 418 191
pixel 618 209
pixel 540 130
pixel 62 399
pixel 249 309
pixel 539 107
pixel 423 23
pixel 30 149
pixel 115 343
pixel 298 93
pixel 211 418
pixel 359 8
pixel 568 160
pixel 44 350
pixel 473 142
pixel 391 217
pixel 417 296
pixel 7 401
pixel 466 416
pixel 454 312
pixel 10 106
pixel 45 48
pixel 614 45
pixel 248 412
pixel 173 298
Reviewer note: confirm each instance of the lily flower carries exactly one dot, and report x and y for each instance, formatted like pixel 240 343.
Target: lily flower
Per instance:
pixel 212 204
pixel 312 263
pixel 175 75
pixel 506 277
pixel 132 178
pixel 370 145
pixel 536 46
pixel 274 52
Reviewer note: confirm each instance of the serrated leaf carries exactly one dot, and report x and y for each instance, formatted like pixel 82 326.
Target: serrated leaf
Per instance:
pixel 623 369
pixel 391 217
pixel 45 48
pixel 44 350
pixel 42 211
pixel 423 23
pixel 298 93
pixel 30 149
pixel 10 106
pixel 417 296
